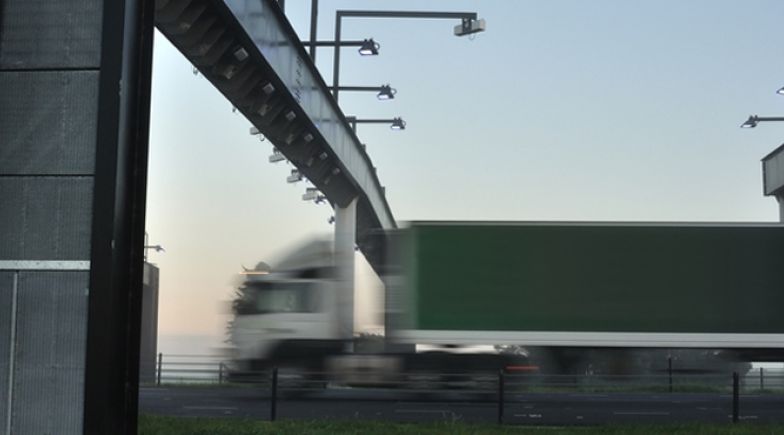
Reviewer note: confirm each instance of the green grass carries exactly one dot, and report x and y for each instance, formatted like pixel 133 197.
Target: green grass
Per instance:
pixel 156 425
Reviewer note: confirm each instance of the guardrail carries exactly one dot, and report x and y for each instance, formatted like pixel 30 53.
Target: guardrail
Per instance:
pixel 507 389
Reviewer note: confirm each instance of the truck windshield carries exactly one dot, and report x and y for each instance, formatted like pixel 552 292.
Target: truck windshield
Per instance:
pixel 278 297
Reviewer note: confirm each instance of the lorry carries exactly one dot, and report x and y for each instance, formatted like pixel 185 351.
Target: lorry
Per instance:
pixel 557 290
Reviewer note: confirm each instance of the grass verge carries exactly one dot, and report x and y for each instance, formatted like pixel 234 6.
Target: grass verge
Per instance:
pixel 158 425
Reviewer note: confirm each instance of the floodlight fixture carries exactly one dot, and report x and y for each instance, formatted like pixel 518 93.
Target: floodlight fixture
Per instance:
pixel 157 248
pixel 750 123
pixel 386 92
pixel 469 24
pixel 311 193
pixel 398 124
pixel 369 47
pixel 754 120
pixel 240 54
pixel 276 156
pixel 780 91
pixel 295 176
pixel 383 92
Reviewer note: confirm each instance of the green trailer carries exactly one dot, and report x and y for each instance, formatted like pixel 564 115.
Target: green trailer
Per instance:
pixel 709 285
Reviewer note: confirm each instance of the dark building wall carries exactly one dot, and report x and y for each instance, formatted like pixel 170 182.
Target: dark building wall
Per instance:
pixel 49 61
pixel 53 97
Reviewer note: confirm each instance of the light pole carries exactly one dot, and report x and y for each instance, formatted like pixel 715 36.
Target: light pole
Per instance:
pixel 147 246
pixel 394 123
pixel 772 164
pixel 312 44
pixel 469 24
pixel 754 120
pixel 313 23
pixel 384 92
pixel 367 47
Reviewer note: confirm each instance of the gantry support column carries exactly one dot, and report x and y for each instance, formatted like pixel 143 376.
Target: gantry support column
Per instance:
pixel 345 238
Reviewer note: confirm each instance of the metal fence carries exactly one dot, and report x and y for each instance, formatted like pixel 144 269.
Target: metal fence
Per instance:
pixel 512 392
pixel 189 369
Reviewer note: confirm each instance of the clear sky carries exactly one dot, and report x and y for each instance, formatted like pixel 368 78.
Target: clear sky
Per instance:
pixel 561 110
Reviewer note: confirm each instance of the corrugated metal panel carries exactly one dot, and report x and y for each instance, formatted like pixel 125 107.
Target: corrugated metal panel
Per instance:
pixel 773 167
pixel 6 288
pixel 45 33
pixel 50 352
pixel 48 122
pixel 45 218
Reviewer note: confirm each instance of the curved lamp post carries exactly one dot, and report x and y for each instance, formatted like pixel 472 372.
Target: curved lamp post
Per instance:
pixel 367 47
pixel 396 123
pixel 384 92
pixel 469 24
pixel 754 120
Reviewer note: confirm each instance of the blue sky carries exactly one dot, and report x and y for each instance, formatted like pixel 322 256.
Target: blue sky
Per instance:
pixel 563 110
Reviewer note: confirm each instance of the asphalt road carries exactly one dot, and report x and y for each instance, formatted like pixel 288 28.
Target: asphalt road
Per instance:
pixel 529 408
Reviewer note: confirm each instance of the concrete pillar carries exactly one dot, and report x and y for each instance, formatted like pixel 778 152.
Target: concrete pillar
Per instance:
pixel 780 199
pixel 345 238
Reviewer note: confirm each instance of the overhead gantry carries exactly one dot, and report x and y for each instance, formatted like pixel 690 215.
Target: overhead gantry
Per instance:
pixel 248 50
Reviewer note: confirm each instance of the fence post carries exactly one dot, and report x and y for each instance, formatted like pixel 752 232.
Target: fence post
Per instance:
pixel 160 368
pixel 501 396
pixel 220 372
pixel 762 382
pixel 735 397
pixel 669 370
pixel 274 395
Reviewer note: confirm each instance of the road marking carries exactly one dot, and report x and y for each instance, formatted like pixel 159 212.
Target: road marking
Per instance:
pixel 640 413
pixel 211 408
pixel 529 415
